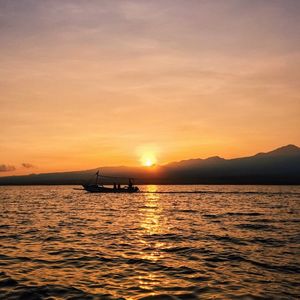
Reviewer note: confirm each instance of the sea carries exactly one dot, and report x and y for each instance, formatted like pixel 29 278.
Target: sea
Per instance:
pixel 167 242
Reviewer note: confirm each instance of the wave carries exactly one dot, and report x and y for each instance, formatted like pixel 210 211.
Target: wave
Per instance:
pixel 221 192
pixel 11 289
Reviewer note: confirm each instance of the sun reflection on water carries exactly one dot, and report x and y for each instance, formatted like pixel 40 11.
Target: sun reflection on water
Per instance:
pixel 151 214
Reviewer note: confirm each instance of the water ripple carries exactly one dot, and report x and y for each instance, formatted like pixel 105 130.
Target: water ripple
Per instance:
pixel 171 242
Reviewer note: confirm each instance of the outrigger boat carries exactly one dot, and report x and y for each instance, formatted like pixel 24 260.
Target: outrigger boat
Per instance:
pixel 99 188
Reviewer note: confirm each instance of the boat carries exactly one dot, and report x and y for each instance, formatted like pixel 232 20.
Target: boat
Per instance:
pixel 96 187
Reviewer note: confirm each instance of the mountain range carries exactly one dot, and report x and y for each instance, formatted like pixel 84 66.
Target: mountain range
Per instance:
pixel 280 166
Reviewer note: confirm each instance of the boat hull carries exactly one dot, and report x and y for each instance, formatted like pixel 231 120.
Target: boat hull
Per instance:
pixel 102 189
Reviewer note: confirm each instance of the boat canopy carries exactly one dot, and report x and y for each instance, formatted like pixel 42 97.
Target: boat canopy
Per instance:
pixel 109 177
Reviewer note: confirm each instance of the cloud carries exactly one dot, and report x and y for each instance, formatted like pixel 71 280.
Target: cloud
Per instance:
pixel 6 168
pixel 27 165
pixel 180 74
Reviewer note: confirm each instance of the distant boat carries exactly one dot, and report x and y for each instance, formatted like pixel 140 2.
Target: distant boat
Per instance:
pixel 99 188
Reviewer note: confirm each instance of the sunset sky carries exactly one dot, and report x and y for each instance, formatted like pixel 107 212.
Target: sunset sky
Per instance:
pixel 102 83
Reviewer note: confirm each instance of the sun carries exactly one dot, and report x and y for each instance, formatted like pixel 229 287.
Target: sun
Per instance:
pixel 148 163
pixel 148 160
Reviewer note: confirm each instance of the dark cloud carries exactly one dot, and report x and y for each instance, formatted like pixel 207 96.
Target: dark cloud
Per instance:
pixel 27 165
pixel 6 168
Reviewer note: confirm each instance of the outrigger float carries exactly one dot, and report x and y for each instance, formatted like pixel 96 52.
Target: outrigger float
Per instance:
pixel 99 188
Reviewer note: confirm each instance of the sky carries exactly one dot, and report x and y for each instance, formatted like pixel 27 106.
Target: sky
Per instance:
pixel 89 83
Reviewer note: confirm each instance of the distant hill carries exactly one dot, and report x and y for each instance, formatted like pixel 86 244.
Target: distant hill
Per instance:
pixel 280 166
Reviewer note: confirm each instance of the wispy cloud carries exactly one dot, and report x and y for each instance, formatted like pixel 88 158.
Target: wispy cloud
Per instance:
pixel 180 74
pixel 27 165
pixel 7 168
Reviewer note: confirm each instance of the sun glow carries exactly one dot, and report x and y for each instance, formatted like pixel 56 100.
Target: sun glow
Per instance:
pixel 148 160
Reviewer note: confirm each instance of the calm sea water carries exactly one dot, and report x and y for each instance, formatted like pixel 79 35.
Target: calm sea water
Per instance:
pixel 226 242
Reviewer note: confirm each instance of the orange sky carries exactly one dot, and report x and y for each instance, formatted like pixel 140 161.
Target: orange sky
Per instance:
pixel 98 83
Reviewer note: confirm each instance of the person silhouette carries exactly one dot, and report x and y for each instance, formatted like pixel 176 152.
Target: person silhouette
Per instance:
pixel 130 184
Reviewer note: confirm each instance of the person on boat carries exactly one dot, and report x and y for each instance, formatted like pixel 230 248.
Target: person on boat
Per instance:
pixel 119 186
pixel 130 184
pixel 115 186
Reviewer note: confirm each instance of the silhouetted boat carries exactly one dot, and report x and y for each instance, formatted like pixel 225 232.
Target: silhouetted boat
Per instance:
pixel 99 188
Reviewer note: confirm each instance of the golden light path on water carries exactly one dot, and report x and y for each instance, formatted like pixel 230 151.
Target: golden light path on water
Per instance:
pixel 151 215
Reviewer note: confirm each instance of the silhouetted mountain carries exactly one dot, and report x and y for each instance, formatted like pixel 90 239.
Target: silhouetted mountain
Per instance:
pixel 289 150
pixel 280 166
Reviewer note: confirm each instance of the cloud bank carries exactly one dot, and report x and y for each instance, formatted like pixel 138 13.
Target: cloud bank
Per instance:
pixel 6 168
pixel 193 78
pixel 27 165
